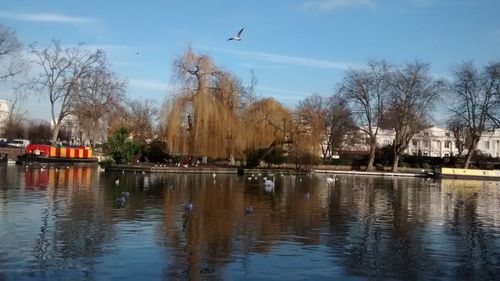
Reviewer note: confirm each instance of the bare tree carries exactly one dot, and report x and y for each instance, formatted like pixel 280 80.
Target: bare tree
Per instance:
pixel 313 114
pixel 60 73
pixel 99 93
pixel 413 93
pixel 341 127
pixel 15 123
pixel 459 130
pixel 11 60
pixel 477 100
pixel 300 140
pixel 141 117
pixel 38 130
pixel 366 90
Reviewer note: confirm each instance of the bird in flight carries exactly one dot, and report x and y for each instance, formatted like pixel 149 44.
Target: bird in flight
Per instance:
pixel 237 37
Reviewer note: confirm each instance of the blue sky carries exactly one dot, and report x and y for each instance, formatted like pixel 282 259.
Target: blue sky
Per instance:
pixel 295 47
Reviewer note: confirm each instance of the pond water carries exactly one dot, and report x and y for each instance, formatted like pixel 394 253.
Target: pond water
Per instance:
pixel 65 224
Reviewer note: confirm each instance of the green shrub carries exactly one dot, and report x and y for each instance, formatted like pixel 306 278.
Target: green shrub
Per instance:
pixel 487 166
pixel 339 162
pixel 253 157
pixel 121 149
pixel 276 156
pixel 384 155
pixel 155 152
pixel 404 165
pixel 106 163
pixel 379 167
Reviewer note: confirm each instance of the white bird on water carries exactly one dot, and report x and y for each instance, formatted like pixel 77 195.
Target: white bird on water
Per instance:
pixel 269 182
pixel 269 185
pixel 237 37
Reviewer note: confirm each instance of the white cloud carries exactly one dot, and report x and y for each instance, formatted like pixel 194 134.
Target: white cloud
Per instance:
pixel 328 5
pixel 149 85
pixel 46 17
pixel 283 91
pixel 284 59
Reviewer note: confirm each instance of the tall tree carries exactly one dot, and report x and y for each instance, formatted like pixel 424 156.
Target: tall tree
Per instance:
pixel 203 117
pixel 268 124
pixel 342 131
pixel 60 75
pixel 366 90
pixel 477 100
pixel 458 128
pixel 313 113
pixel 38 130
pixel 142 116
pixel 413 93
pixel 14 126
pixel 99 93
pixel 11 60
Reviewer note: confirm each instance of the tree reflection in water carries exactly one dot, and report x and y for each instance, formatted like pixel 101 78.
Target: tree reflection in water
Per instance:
pixel 357 227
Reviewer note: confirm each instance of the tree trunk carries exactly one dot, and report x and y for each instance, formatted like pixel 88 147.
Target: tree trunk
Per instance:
pixel 55 132
pixel 371 158
pixel 471 151
pixel 395 163
pixel 191 136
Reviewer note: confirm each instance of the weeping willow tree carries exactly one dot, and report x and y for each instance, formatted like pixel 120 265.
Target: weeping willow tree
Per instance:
pixel 266 124
pixel 202 117
pixel 212 114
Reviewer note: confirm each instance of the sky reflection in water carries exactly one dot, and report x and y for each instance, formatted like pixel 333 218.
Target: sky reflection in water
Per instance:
pixel 57 224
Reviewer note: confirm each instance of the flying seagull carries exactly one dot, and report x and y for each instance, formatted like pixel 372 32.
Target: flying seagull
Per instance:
pixel 237 37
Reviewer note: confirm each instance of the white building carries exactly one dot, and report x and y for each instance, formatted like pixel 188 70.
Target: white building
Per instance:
pixel 4 115
pixel 78 135
pixel 490 143
pixel 434 142
pixel 437 142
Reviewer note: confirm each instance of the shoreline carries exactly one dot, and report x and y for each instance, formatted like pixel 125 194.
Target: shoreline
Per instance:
pixel 290 171
pixel 234 170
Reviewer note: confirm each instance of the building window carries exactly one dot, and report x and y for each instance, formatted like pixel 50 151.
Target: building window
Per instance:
pixel 426 143
pixel 447 134
pixel 415 142
pixel 426 154
pixel 487 144
pixel 446 155
pixel 447 144
pixel 426 134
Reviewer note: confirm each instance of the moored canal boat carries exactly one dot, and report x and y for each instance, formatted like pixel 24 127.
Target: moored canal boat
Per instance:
pixel 458 173
pixel 55 154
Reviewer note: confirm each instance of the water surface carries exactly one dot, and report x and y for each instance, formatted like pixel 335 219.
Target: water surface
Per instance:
pixel 64 224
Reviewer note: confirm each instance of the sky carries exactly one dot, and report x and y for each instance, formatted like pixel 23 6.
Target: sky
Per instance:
pixel 294 47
